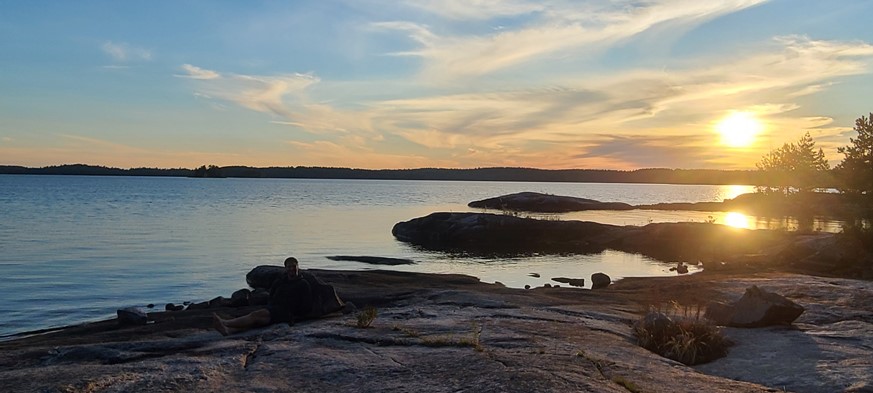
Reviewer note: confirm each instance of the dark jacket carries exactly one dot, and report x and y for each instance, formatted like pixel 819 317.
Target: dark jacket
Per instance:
pixel 290 299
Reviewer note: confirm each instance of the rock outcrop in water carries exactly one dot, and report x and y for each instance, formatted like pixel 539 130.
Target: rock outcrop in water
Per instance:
pixel 500 233
pixel 494 233
pixel 751 203
pixel 545 203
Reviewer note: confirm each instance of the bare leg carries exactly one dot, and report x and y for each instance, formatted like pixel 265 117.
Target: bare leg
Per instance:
pixel 252 320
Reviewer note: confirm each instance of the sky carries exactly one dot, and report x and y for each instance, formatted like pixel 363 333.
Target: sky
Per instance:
pixel 600 84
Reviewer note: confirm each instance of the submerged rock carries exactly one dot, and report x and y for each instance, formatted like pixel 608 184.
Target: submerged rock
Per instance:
pixel 573 282
pixel 373 260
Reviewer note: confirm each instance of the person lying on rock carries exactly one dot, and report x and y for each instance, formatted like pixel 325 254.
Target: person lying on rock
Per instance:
pixel 290 298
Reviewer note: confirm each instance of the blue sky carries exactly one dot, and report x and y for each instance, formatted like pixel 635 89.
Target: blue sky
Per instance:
pixel 407 84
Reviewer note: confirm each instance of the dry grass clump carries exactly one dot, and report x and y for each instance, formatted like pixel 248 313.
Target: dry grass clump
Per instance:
pixel 366 317
pixel 686 339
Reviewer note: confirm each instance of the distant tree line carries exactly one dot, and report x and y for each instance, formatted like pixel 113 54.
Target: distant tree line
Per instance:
pixel 93 170
pixel 652 175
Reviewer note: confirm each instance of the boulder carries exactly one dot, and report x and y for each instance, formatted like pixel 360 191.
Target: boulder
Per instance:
pixel 264 275
pixel 757 308
pixel 240 298
pixel 600 280
pixel 173 307
pixel 132 316
pixel 719 313
pixel 324 297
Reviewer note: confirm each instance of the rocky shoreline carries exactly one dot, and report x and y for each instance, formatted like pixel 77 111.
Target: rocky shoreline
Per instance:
pixel 437 333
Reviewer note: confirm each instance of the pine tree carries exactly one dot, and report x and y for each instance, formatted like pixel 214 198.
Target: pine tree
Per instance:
pixel 856 170
pixel 794 167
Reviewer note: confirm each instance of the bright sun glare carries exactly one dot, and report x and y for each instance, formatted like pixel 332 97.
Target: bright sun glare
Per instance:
pixel 739 129
pixel 737 220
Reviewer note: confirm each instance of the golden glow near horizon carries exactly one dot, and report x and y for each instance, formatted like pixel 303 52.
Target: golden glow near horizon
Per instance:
pixel 739 129
pixel 737 220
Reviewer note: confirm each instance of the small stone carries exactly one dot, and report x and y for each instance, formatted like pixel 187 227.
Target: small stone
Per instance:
pixel 527 287
pixel 173 307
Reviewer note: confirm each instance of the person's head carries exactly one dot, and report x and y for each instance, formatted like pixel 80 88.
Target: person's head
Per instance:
pixel 292 267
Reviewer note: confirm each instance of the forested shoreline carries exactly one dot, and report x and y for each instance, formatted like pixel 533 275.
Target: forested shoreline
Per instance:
pixel 652 175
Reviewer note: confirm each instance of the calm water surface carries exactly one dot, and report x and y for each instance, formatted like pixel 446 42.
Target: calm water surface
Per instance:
pixel 76 248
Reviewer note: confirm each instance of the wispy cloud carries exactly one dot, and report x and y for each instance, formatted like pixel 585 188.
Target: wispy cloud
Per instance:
pixel 194 72
pixel 270 94
pixel 560 27
pixel 477 9
pixel 124 52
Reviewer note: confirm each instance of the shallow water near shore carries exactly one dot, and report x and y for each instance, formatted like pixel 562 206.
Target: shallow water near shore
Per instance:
pixel 76 248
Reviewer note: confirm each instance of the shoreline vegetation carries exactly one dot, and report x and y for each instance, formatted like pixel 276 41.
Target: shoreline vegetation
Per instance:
pixel 647 176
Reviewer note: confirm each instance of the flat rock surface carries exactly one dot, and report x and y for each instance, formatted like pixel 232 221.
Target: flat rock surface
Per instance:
pixel 451 333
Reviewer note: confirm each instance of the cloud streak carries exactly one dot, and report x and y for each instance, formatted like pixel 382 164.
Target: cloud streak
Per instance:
pixel 268 94
pixel 124 52
pixel 559 27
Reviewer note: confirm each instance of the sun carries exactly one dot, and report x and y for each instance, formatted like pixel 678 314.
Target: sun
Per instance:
pixel 739 129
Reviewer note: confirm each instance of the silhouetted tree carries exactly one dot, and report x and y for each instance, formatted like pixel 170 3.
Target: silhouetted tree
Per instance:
pixel 794 168
pixel 856 170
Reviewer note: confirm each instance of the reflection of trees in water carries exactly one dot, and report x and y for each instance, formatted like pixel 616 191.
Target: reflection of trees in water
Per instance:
pixel 803 223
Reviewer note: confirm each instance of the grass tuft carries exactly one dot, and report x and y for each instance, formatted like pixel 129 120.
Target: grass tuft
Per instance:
pixel 366 317
pixel 630 386
pixel 686 339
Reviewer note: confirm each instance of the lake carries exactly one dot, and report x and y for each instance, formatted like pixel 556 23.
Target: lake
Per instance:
pixel 76 248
